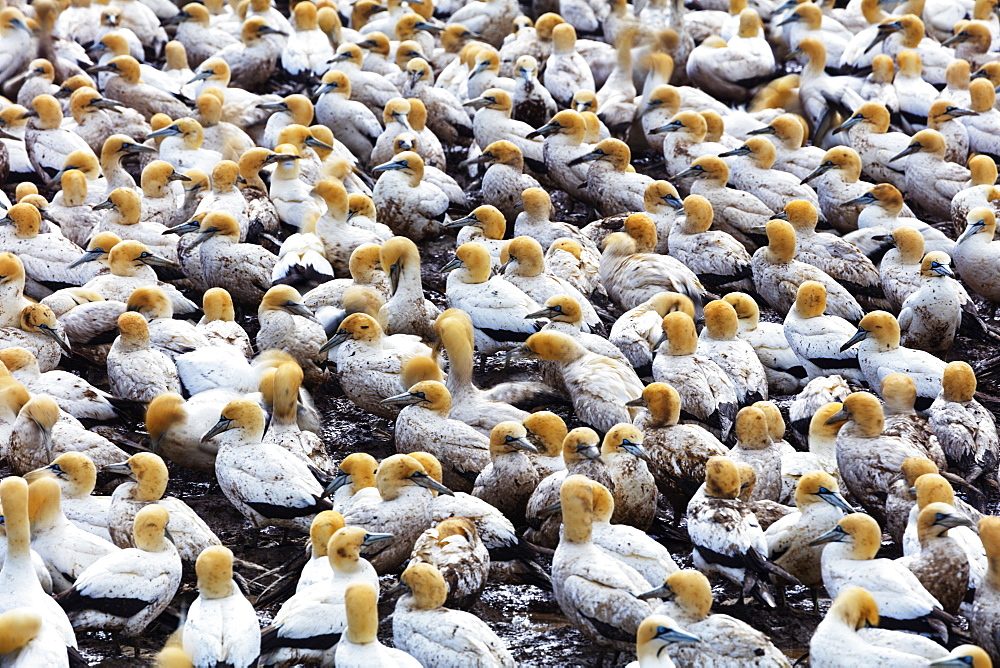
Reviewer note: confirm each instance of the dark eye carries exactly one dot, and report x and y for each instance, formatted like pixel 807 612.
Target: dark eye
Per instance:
pixel 509 438
pixel 55 467
pixel 939 516
pixel 557 308
pixel 364 326
pixel 421 395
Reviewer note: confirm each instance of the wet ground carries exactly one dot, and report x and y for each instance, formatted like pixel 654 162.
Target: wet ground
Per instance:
pixel 527 618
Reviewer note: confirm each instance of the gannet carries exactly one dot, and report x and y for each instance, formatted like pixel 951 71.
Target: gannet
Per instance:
pixel 707 395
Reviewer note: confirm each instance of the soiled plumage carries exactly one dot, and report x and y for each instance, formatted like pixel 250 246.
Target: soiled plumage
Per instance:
pixel 600 387
pixel 707 395
pixel 597 592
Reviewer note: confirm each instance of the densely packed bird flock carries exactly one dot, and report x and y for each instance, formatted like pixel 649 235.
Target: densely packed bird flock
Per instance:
pixel 748 343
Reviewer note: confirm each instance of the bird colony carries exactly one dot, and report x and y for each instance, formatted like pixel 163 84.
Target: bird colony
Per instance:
pixel 638 306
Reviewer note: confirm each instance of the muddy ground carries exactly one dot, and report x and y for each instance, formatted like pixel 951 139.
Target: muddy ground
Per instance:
pixel 527 618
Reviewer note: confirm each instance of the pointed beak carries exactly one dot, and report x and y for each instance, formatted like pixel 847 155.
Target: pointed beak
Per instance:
pixel 543 131
pixel 476 103
pixel 88 256
pixel 591 452
pixel 273 106
pixel 970 230
pixel 428 482
pixel 865 199
pixel 394 273
pixel 158 261
pixel 690 171
pixel 677 635
pixel 338 481
pixel 672 126
pixel 423 25
pixel 316 143
pixel 950 662
pixel 766 130
pixel 224 424
pixel 296 308
pixel 132 147
pixel 819 171
pixel 636 450
pixel 203 237
pixel 372 538
pixel 403 399
pixel 521 352
pixel 673 202
pixel 203 75
pixel 338 338
pixel 942 270
pixel 586 157
pixel 106 205
pixel 909 150
pixel 462 222
pixel 840 416
pixel 169 131
pixel 962 112
pixel 664 593
pixel 452 264
pixel 848 124
pixel 835 499
pixel 883 33
pixel 389 166
pixel 57 337
pixel 177 176
pixel 638 402
pixel 192 226
pixel 835 535
pixel 952 520
pixel 101 103
pixel 397 589
pixel 177 19
pixel 58 175
pixel 478 160
pixel 858 337
pixel 742 150
pixel 544 313
pixel 121 468
pixel 523 444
